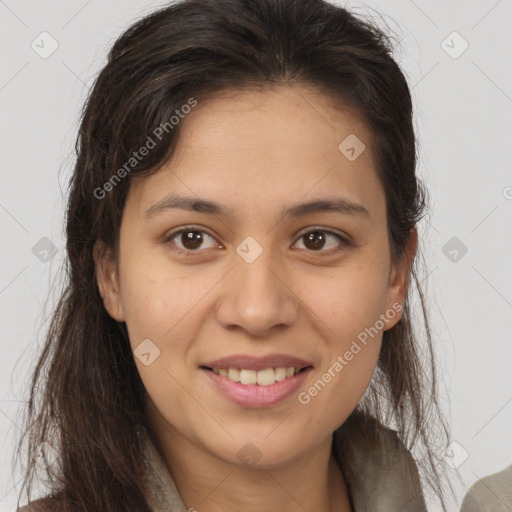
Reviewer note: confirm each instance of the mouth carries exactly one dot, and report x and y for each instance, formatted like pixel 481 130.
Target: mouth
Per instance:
pixel 262 377
pixel 263 388
pixel 256 381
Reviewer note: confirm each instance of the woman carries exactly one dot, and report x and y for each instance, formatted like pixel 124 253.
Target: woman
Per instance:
pixel 241 231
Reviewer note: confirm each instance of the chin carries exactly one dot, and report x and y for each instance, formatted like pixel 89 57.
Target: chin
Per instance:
pixel 261 453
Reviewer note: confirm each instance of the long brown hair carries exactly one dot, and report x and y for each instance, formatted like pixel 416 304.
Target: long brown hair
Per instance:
pixel 86 396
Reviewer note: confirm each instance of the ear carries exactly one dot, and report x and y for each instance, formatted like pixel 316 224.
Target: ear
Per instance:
pixel 400 278
pixel 107 280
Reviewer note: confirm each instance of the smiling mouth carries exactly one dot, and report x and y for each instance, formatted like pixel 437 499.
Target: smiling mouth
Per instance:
pixel 264 377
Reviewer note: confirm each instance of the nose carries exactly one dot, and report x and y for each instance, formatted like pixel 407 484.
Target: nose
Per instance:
pixel 257 297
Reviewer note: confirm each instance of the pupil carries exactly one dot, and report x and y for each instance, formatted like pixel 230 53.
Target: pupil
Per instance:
pixel 317 238
pixel 191 239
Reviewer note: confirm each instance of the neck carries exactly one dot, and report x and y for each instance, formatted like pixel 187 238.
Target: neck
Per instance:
pixel 312 481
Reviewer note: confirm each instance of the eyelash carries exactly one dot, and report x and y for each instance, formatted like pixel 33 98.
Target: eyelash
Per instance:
pixel 344 242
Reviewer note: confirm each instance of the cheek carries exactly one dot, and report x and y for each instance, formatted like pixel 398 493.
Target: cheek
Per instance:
pixel 161 320
pixel 348 309
pixel 156 297
pixel 352 350
pixel 349 300
pixel 147 305
pixel 167 307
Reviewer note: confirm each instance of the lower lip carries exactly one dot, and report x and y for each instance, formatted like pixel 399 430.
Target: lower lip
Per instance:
pixel 252 395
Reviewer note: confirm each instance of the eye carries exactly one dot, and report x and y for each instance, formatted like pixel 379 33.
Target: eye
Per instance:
pixel 316 239
pixel 190 239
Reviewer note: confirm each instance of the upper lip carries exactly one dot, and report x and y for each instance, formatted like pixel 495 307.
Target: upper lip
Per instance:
pixel 242 361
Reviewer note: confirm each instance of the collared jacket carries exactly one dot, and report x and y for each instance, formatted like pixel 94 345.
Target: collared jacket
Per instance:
pixel 380 472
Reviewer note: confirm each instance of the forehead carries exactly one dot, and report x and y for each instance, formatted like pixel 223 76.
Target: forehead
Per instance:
pixel 257 149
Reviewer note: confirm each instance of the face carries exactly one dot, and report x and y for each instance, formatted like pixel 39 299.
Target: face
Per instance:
pixel 194 286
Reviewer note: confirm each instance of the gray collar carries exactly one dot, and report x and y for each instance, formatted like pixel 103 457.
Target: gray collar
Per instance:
pixel 380 472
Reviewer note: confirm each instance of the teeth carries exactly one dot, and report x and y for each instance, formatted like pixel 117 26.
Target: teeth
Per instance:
pixel 280 374
pixel 248 376
pixel 265 377
pixel 234 374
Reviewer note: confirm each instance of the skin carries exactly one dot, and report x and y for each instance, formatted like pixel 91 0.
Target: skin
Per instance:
pixel 255 151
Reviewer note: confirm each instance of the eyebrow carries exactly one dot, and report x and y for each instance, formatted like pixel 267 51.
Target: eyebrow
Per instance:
pixel 194 204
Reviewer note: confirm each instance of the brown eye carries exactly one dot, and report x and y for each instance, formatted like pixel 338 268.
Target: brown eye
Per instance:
pixel 316 240
pixel 190 239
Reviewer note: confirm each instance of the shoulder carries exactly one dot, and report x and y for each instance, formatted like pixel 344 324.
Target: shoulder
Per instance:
pixel 41 505
pixel 379 468
pixel 490 493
